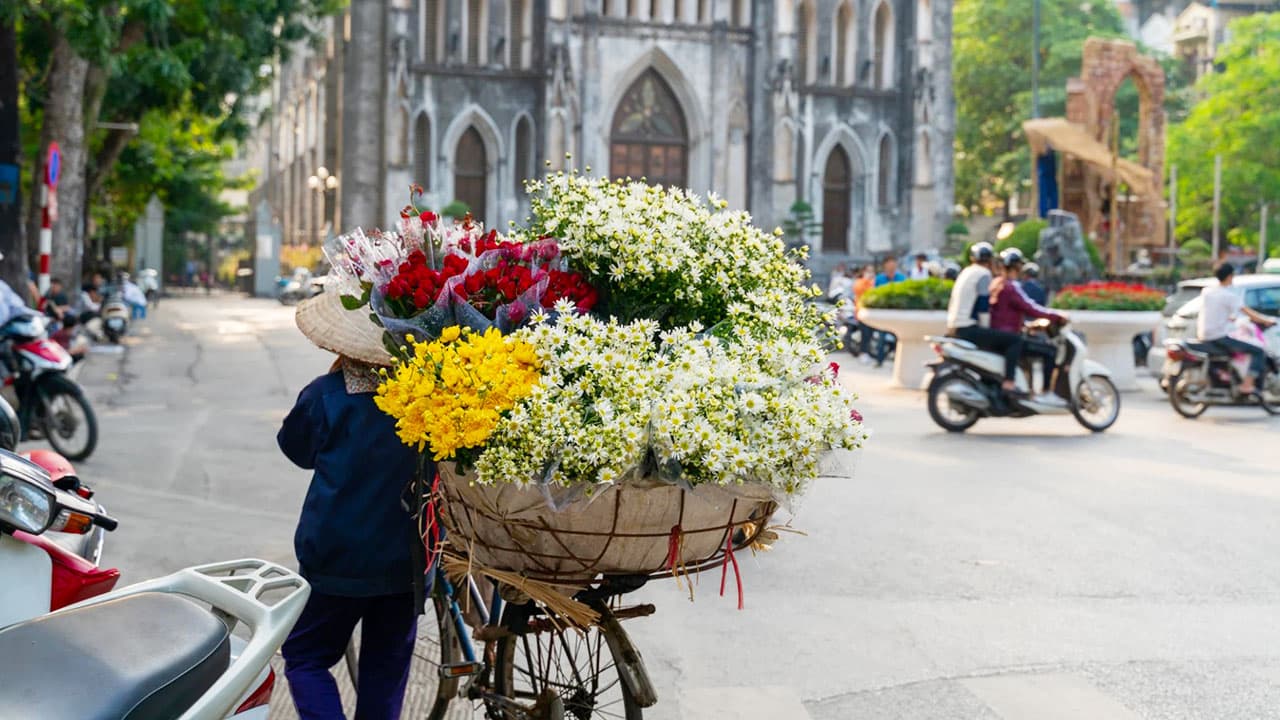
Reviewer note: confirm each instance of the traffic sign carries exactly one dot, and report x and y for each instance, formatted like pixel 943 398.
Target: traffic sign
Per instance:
pixel 53 165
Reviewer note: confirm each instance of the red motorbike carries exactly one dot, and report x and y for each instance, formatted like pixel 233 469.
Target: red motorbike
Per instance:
pixel 51 406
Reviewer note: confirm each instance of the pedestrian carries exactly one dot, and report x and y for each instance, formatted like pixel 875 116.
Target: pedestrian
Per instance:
pixel 136 299
pixel 920 270
pixel 1031 284
pixel 889 274
pixel 354 538
pixel 840 284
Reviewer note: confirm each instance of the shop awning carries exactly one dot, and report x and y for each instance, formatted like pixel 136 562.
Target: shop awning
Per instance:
pixel 1046 134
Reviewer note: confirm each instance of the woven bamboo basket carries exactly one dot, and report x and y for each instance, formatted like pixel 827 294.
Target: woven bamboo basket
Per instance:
pixel 629 528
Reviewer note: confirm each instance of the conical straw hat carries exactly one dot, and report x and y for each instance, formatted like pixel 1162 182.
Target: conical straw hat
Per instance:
pixel 330 326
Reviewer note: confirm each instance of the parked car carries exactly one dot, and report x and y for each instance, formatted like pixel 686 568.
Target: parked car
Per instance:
pixel 1260 292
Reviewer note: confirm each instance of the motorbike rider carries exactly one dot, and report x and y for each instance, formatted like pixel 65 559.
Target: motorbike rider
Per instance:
pixel 968 313
pixel 1031 284
pixel 1221 307
pixel 1010 307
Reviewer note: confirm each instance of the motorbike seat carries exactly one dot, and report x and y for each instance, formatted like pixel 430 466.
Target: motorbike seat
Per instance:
pixel 149 655
pixel 1212 351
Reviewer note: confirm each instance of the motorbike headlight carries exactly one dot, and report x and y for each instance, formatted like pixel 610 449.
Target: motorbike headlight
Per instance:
pixel 25 506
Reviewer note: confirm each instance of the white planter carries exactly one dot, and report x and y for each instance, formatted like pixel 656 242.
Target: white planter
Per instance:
pixel 911 327
pixel 1109 334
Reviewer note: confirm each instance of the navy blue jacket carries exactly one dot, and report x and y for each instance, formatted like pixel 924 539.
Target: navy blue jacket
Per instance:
pixel 354 537
pixel 1035 291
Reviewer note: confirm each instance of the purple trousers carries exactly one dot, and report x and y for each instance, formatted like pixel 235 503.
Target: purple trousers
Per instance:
pixel 320 638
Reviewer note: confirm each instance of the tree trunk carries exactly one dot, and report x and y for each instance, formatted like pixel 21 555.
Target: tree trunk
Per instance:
pixel 95 87
pixel 64 124
pixel 13 268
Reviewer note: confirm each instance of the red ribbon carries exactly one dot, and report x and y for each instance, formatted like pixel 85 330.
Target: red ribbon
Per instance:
pixel 724 568
pixel 673 548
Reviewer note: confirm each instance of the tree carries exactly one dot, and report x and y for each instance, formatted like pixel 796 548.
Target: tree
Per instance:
pixel 1239 118
pixel 992 41
pixel 116 60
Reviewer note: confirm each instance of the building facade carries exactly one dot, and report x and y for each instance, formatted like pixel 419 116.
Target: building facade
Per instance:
pixel 842 104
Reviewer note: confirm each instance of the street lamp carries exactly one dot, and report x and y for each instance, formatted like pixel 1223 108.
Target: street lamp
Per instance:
pixel 323 183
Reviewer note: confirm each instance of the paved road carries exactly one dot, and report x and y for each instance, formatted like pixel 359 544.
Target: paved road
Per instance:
pixel 1026 570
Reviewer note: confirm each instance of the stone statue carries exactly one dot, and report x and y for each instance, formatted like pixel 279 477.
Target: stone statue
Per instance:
pixel 1062 256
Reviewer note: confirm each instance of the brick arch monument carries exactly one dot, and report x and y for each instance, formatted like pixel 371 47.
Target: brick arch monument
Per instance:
pixel 1091 101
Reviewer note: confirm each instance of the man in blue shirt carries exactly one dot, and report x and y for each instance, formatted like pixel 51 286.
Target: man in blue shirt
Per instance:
pixel 889 274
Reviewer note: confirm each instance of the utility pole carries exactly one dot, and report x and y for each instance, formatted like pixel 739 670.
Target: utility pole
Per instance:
pixel 1035 103
pixel 1173 207
pixel 1217 202
pixel 1262 240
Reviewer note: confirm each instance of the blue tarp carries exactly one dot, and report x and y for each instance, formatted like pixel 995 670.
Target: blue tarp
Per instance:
pixel 1047 181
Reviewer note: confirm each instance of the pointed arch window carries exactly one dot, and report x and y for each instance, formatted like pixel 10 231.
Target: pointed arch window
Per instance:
pixel 806 43
pixel 471 173
pixel 429 24
pixel 649 137
pixel 884 46
pixel 523 167
pixel 517 33
pixel 422 150
pixel 837 184
pixel 885 190
pixel 844 40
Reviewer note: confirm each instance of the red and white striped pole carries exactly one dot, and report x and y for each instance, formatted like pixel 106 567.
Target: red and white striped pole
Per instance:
pixel 48 214
pixel 46 236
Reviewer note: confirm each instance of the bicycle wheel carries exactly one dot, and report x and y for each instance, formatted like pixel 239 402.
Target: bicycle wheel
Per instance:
pixel 438 646
pixel 552 668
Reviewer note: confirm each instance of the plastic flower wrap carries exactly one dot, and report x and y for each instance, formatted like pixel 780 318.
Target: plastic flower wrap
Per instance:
pixel 450 395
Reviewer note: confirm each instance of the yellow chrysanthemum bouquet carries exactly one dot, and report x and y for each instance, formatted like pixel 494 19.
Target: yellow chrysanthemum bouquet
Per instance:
pixel 450 394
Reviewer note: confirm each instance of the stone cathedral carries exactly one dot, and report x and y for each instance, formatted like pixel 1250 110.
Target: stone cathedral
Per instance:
pixel 843 104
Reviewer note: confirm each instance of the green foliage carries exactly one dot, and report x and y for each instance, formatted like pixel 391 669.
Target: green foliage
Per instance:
pixel 992 75
pixel 1025 237
pixel 1195 248
pixel 456 210
pixel 957 228
pixel 1239 118
pixel 927 294
pixel 1095 256
pixel 800 224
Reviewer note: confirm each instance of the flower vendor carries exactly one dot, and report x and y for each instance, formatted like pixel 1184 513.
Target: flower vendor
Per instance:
pixel 354 538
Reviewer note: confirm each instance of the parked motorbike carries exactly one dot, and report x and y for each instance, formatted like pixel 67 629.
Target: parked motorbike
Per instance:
pixel 50 404
pixel 966 384
pixel 149 281
pixel 298 288
pixel 1199 376
pixel 115 316
pixel 148 650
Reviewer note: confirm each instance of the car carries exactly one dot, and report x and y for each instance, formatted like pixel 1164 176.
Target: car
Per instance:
pixel 1260 292
pixel 1187 291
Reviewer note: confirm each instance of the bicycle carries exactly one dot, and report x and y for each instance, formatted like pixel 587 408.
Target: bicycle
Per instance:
pixel 536 664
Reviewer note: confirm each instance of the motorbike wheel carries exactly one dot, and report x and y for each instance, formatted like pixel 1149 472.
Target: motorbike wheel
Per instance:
pixel 1096 404
pixel 1270 395
pixel 952 418
pixel 1179 385
pixel 66 418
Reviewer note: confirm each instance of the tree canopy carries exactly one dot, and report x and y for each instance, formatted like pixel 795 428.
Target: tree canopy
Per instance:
pixel 992 60
pixel 1239 118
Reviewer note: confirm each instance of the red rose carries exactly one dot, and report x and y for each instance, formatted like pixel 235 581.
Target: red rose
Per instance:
pixel 394 291
pixel 474 282
pixel 420 299
pixel 417 257
pixel 427 217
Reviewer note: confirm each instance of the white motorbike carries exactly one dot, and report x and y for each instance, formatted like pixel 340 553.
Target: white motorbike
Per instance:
pixel 162 648
pixel 115 316
pixel 1199 376
pixel 966 384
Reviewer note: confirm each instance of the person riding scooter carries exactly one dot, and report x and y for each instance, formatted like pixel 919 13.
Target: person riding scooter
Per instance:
pixel 1213 327
pixel 968 313
pixel 1010 308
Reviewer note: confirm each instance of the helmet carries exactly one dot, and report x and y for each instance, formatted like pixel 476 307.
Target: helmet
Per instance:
pixel 1010 257
pixel 57 466
pixel 982 252
pixel 1031 270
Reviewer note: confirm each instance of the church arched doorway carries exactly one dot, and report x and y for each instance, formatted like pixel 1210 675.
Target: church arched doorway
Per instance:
pixel 649 137
pixel 470 173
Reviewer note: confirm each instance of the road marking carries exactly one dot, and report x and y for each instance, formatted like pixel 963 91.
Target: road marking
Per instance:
pixel 1048 696
pixel 769 701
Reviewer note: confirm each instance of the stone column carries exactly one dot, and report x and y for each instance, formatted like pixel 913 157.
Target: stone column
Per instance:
pixel 943 118
pixel 151 254
pixel 266 253
pixel 363 110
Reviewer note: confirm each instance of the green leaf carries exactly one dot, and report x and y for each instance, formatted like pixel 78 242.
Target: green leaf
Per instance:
pixel 351 302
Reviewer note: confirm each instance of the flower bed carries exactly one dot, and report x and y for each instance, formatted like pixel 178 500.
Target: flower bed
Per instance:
pixel 1109 296
pixel 927 294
